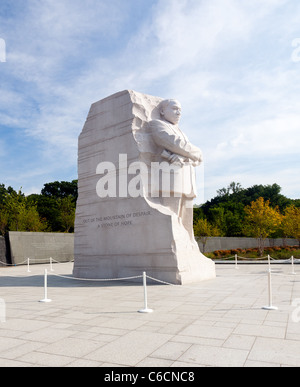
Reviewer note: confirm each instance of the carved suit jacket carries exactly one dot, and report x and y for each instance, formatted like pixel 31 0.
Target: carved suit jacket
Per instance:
pixel 170 138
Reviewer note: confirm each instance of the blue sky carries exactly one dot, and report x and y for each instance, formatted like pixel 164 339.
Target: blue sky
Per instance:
pixel 234 65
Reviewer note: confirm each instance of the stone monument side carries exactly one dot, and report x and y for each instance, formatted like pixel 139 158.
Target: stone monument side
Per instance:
pixel 120 231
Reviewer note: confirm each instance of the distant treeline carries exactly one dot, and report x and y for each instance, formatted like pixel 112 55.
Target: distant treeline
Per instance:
pixel 259 211
pixel 53 210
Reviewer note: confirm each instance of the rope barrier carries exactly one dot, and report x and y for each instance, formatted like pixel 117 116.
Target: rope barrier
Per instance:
pixel 291 260
pixel 256 258
pixel 253 259
pixel 197 288
pixel 160 281
pixel 145 276
pixel 227 258
pixel 237 257
pixel 36 260
pixel 269 307
pixel 98 279
pixel 14 264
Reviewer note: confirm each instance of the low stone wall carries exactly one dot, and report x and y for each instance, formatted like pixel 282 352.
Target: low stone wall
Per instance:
pixel 40 246
pixel 224 243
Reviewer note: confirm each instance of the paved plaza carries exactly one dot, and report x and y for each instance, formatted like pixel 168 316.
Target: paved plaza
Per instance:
pixel 214 323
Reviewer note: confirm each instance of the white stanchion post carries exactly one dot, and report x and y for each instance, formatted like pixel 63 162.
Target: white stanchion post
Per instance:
pixel 293 266
pixel 146 309
pixel 28 265
pixel 269 262
pixel 46 299
pixel 51 267
pixel 236 261
pixel 270 306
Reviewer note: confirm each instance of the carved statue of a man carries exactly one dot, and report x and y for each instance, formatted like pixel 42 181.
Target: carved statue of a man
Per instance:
pixel 173 146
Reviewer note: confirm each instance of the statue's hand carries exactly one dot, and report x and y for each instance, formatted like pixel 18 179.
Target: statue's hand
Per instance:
pixel 197 156
pixel 176 159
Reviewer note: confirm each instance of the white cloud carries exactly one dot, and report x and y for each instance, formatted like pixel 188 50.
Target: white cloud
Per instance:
pixel 271 138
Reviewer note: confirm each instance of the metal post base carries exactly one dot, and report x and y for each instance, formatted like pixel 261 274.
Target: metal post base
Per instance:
pixel 45 300
pixel 270 308
pixel 145 311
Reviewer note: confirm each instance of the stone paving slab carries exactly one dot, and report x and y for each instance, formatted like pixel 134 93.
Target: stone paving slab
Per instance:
pixel 217 323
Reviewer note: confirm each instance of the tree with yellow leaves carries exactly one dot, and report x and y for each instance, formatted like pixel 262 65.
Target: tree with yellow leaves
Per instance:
pixel 261 221
pixel 203 230
pixel 291 222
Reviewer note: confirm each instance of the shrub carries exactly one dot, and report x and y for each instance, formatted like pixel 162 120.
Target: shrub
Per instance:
pixel 269 249
pixel 217 253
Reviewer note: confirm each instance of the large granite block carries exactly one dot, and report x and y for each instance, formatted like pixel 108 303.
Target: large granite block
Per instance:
pixel 123 225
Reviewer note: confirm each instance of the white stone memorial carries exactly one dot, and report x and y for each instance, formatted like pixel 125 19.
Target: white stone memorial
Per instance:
pixel 136 189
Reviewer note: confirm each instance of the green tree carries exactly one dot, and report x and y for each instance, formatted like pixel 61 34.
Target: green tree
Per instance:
pixel 56 204
pixel 233 188
pixel 261 221
pixel 270 193
pixel 227 208
pixel 67 213
pixel 61 189
pixel 4 212
pixel 22 214
pixel 29 220
pixel 48 209
pixel 203 230
pixel 197 214
pixel 52 210
pixel 4 217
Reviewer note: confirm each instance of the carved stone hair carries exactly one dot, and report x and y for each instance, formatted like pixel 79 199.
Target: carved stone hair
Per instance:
pixel 164 104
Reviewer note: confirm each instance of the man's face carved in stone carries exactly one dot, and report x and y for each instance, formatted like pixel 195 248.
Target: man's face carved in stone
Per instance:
pixel 172 112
